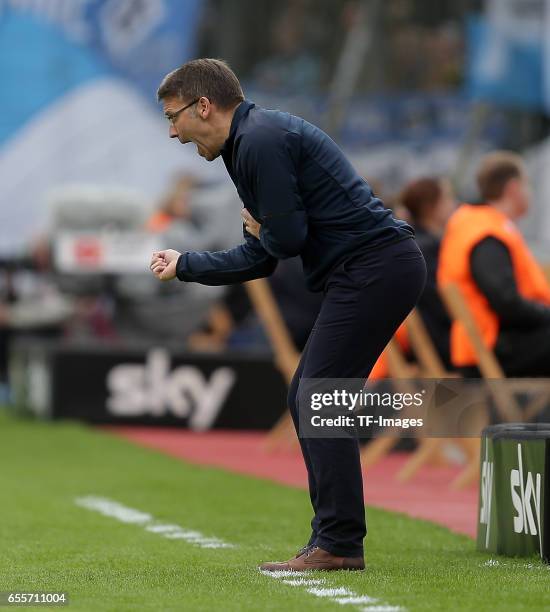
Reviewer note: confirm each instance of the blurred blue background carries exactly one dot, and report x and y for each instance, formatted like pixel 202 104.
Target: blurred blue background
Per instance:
pixel 406 88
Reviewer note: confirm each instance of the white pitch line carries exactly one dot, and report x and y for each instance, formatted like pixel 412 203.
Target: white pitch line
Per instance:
pixel 111 508
pixel 355 600
pixel 281 574
pixel 339 595
pixel 331 592
pixel 163 528
pixel 382 609
pixel 303 582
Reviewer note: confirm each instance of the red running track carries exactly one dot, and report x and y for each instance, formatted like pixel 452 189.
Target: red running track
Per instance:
pixel 427 496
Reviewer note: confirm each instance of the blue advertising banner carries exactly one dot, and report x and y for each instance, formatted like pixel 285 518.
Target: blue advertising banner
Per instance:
pixel 508 60
pixel 49 48
pixel 79 79
pixel 502 69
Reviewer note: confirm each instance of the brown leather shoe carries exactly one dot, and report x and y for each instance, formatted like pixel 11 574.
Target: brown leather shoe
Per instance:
pixel 303 550
pixel 315 559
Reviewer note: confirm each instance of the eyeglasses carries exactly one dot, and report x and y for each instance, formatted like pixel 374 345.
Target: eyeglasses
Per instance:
pixel 173 117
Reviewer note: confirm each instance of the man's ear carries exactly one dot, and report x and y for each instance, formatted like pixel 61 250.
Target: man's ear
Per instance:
pixel 204 107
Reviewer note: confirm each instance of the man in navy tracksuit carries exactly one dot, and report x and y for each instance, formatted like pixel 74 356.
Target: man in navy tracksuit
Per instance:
pixel 302 197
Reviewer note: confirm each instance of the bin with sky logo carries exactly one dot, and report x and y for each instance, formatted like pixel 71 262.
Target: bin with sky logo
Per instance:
pixel 514 508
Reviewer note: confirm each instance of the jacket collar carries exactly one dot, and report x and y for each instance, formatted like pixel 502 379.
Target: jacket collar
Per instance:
pixel 240 112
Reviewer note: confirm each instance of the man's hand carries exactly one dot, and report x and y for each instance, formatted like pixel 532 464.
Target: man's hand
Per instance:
pixel 250 224
pixel 163 264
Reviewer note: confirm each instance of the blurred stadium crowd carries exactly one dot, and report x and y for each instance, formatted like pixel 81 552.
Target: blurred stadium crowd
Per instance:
pixel 396 84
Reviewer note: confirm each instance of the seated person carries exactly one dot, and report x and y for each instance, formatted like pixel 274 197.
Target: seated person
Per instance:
pixel 174 207
pixel 484 254
pixel 228 320
pixel 179 219
pixel 224 318
pixel 430 202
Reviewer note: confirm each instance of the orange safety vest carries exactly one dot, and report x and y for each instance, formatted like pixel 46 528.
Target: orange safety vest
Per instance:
pixel 468 226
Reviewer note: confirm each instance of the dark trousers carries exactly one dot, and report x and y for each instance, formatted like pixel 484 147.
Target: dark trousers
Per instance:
pixel 366 299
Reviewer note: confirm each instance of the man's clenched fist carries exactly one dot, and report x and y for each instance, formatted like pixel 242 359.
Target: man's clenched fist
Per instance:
pixel 163 264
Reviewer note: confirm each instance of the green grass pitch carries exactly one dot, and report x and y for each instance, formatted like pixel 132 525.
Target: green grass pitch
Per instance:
pixel 48 543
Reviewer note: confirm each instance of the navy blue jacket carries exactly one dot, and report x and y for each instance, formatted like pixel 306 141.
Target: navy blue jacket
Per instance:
pixel 297 183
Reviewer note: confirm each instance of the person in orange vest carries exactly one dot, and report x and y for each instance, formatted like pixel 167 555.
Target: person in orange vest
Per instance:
pixel 174 207
pixel 485 255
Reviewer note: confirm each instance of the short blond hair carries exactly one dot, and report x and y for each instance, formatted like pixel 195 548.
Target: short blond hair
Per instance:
pixel 495 170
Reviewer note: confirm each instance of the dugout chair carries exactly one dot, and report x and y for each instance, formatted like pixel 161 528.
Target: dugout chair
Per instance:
pixel 429 365
pixel 491 371
pixel 432 367
pixel 286 355
pixel 488 364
